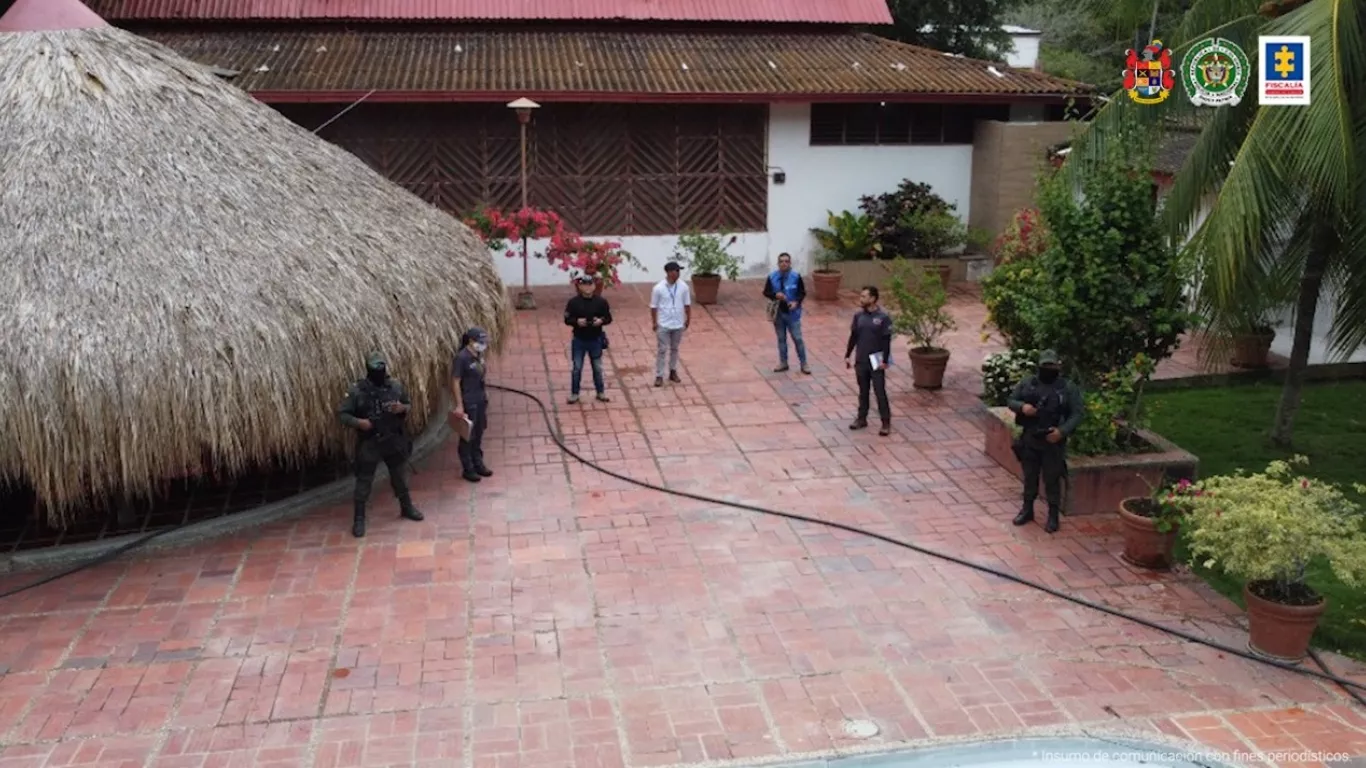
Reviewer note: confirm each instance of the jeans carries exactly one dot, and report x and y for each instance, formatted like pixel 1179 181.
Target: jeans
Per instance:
pixel 592 349
pixel 878 381
pixel 669 339
pixel 784 324
pixel 472 450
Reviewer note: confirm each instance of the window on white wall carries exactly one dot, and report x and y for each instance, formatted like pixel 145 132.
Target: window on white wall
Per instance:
pixel 891 124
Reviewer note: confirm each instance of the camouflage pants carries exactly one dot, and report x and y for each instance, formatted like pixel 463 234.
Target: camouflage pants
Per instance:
pixel 369 454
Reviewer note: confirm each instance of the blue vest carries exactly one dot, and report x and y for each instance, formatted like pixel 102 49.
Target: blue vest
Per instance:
pixel 788 288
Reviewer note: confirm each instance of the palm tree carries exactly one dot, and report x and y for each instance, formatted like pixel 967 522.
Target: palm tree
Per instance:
pixel 1284 186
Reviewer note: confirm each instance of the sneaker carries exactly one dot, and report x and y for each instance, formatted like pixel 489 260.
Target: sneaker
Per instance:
pixel 858 424
pixel 603 398
pixel 781 369
pixel 673 376
pixel 806 370
pixel 886 430
pixel 659 382
pixel 573 399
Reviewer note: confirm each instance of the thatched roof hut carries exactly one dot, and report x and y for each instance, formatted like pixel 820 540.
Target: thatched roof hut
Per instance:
pixel 188 280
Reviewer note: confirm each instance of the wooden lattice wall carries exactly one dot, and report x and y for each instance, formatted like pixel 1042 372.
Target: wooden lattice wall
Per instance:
pixel 618 169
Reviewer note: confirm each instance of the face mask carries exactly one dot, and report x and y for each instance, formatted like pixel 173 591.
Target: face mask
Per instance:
pixel 480 346
pixel 1048 375
pixel 377 375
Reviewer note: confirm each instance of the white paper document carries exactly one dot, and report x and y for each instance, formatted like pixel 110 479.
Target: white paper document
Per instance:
pixel 875 360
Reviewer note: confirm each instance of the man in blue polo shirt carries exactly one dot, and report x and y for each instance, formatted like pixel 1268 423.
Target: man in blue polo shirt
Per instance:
pixel 785 292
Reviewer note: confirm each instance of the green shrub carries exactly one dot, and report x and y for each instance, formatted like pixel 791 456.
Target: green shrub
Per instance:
pixel 895 213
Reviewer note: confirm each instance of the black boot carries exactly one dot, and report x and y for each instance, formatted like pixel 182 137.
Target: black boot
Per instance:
pixel 1052 525
pixel 1026 514
pixel 471 476
pixel 358 523
pixel 483 471
pixel 409 512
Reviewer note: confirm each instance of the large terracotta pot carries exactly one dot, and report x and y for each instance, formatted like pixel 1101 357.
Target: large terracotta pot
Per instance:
pixel 705 288
pixel 1144 545
pixel 1251 350
pixel 927 367
pixel 827 284
pixel 1280 631
pixel 943 271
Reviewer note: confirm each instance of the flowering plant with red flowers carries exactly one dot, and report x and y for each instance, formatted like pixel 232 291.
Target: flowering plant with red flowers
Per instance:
pixel 599 259
pixel 499 229
pixel 1025 238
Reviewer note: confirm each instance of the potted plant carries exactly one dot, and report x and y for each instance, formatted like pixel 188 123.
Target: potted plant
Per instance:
pixel 706 256
pixel 936 232
pixel 918 301
pixel 848 237
pixel 600 259
pixel 1150 524
pixel 1266 528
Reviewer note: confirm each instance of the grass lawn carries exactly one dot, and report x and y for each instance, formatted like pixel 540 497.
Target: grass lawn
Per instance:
pixel 1228 429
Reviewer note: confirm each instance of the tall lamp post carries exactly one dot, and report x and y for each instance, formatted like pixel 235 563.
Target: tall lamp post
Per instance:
pixel 523 107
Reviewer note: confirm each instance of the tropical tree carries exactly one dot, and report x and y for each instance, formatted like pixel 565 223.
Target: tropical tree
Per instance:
pixel 1284 187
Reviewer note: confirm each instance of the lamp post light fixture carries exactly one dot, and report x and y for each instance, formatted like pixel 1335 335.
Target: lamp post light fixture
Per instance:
pixel 524 107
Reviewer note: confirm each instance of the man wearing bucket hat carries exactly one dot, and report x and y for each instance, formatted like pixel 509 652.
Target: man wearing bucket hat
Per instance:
pixel 376 407
pixel 1048 408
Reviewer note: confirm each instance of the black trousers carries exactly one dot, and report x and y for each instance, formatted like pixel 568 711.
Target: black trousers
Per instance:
pixel 877 380
pixel 394 452
pixel 472 450
pixel 1039 458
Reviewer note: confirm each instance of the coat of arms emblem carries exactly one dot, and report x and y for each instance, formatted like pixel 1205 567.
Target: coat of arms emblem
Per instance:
pixel 1148 74
pixel 1216 73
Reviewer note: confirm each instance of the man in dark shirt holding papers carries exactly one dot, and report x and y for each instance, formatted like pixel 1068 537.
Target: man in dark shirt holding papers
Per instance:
pixel 870 344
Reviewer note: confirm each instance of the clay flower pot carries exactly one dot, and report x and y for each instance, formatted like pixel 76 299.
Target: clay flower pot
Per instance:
pixel 1251 350
pixel 1280 631
pixel 943 271
pixel 927 367
pixel 705 288
pixel 1144 545
pixel 827 284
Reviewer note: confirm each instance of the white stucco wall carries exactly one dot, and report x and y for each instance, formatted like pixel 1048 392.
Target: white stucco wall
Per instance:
pixel 818 179
pixel 822 179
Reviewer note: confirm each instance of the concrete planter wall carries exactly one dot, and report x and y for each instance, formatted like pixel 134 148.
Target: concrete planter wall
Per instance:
pixel 1097 484
pixel 876 272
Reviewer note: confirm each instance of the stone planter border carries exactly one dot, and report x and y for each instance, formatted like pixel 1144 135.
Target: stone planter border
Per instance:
pixel 1097 484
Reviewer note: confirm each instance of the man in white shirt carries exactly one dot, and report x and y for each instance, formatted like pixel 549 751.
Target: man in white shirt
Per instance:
pixel 671 314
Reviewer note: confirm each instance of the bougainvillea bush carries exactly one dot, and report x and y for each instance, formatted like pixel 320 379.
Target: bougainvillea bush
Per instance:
pixel 1025 238
pixel 501 231
pixel 601 259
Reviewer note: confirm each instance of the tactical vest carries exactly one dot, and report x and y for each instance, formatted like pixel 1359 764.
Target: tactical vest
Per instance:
pixel 371 405
pixel 1051 402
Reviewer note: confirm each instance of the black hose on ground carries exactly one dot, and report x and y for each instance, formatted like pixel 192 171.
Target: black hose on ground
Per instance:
pixel 1352 688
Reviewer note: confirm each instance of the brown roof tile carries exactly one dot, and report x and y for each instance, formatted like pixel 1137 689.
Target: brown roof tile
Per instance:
pixel 547 63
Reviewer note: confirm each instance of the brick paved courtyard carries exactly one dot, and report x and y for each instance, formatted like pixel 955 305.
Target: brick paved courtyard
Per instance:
pixel 552 616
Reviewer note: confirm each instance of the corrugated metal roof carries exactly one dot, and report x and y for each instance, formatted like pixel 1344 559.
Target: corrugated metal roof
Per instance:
pixel 811 11
pixel 542 63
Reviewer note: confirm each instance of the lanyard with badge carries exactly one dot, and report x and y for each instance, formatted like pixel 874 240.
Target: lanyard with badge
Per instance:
pixel 673 295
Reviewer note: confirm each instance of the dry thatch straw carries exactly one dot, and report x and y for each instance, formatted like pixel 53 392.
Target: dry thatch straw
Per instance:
pixel 190 281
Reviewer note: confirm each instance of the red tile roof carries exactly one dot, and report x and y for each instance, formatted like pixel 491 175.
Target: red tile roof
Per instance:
pixel 458 63
pixel 810 11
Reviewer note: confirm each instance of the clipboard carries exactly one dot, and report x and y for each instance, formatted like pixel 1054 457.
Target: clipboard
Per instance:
pixel 461 426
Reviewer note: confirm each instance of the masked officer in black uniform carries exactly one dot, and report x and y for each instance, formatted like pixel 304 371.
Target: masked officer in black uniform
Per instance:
pixel 1048 408
pixel 376 407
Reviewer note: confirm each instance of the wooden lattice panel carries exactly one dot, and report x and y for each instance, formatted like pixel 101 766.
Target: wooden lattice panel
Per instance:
pixel 608 169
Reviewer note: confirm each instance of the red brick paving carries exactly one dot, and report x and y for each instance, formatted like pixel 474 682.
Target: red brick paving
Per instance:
pixel 554 616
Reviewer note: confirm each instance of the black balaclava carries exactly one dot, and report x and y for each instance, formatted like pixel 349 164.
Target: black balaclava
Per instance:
pixel 376 370
pixel 1048 373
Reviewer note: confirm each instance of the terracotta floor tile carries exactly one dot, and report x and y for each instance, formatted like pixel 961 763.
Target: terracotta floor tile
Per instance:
pixel 552 615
